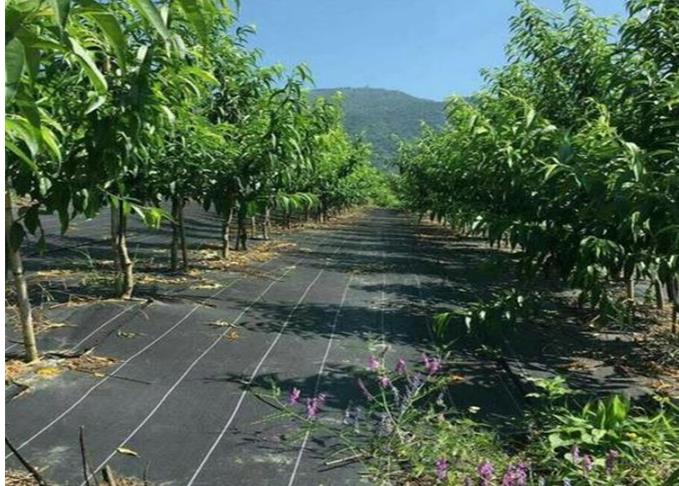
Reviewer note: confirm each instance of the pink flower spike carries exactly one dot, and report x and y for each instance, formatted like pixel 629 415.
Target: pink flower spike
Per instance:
pixel 587 463
pixel 401 366
pixel 432 365
pixel 385 382
pixel 313 405
pixel 442 469
pixel 373 363
pixel 293 396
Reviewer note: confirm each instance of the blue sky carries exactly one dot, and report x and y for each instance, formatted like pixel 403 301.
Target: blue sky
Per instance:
pixel 427 48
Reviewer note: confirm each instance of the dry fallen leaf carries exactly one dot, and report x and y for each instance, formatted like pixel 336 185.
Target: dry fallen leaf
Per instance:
pixel 126 451
pixel 221 324
pixel 48 371
pixel 126 334
pixel 207 285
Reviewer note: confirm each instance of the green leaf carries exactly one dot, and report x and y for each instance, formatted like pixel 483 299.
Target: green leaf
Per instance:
pixel 13 19
pixel 51 142
pixel 194 13
pixel 14 66
pixel 61 9
pixel 87 63
pixel 109 24
pixel 530 116
pixel 168 113
pixel 20 128
pixel 33 57
pixel 100 100
pixel 551 169
pixel 30 164
pixel 149 11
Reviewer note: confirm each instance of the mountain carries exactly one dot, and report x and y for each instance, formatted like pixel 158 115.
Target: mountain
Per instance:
pixel 379 114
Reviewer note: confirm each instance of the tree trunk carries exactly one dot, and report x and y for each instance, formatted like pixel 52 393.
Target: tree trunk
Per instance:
pixel 306 214
pixel 124 261
pixel 673 294
pixel 242 237
pixel 226 224
pixel 266 224
pixel 253 227
pixel 114 229
pixel 659 304
pixel 174 246
pixel 629 290
pixel 288 218
pixel 16 265
pixel 182 234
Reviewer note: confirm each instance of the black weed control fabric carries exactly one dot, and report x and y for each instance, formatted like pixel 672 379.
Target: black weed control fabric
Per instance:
pixel 183 395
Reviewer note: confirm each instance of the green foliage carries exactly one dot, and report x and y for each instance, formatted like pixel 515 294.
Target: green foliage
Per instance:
pixel 490 321
pixel 625 444
pixel 405 430
pixel 127 104
pixel 570 153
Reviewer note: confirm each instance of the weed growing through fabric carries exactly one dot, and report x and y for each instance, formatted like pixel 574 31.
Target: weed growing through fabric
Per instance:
pixel 406 431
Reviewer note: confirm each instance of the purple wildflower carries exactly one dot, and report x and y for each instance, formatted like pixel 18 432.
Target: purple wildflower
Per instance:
pixel 485 471
pixel 385 382
pixel 400 367
pixel 313 405
pixel 575 454
pixel 442 469
pixel 611 459
pixel 373 363
pixel 293 396
pixel 587 463
pixel 515 475
pixel 432 365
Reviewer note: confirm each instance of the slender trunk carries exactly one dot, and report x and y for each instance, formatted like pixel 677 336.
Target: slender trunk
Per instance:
pixel 242 237
pixel 629 290
pixel 673 294
pixel 659 304
pixel 266 224
pixel 174 245
pixel 114 229
pixel 288 217
pixel 306 214
pixel 253 227
pixel 182 234
pixel 124 260
pixel 226 224
pixel 16 265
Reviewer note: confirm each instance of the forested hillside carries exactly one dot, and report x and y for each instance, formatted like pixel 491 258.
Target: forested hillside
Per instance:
pixel 382 114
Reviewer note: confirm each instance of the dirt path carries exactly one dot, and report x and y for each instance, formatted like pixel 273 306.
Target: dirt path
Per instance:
pixel 182 393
